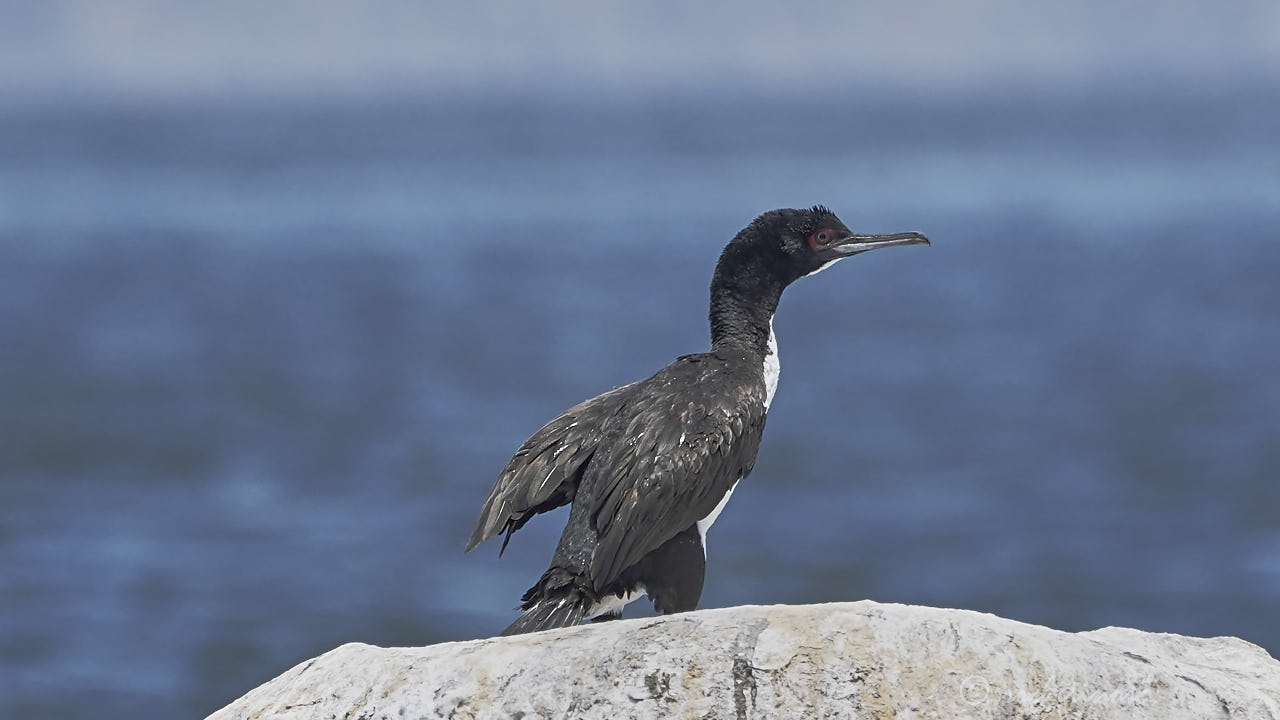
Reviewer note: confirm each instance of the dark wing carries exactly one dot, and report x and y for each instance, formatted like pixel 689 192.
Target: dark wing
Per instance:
pixel 676 461
pixel 544 473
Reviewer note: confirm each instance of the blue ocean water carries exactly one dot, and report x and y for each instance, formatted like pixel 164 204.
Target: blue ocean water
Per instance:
pixel 260 363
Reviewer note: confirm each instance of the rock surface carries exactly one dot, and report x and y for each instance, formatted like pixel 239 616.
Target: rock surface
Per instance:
pixel 845 660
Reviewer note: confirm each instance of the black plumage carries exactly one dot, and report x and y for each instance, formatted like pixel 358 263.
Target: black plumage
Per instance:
pixel 646 466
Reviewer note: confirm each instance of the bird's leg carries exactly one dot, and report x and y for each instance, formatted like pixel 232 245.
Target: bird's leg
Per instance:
pixel 673 573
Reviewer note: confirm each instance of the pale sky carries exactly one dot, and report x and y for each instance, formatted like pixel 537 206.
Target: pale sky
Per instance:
pixel 176 48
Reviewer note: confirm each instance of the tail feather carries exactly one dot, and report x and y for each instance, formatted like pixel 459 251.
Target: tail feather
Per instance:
pixel 559 599
pixel 549 614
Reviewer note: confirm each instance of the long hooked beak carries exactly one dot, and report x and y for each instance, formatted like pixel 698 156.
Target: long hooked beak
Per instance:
pixel 855 244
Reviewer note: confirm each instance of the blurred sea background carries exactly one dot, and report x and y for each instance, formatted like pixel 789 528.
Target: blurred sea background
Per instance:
pixel 282 287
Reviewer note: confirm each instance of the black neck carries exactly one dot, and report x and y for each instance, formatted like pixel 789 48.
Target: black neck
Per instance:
pixel 744 295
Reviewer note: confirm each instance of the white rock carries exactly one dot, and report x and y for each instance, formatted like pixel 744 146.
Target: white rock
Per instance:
pixel 844 660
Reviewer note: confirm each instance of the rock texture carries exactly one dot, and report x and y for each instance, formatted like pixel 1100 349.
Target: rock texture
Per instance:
pixel 846 660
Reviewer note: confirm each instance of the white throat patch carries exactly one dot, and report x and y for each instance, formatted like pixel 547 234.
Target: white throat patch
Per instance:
pixel 824 266
pixel 772 367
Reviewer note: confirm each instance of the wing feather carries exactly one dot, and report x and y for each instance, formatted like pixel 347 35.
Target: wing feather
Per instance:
pixel 676 464
pixel 545 472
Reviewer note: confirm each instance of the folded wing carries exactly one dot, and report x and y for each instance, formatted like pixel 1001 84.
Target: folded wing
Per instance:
pixel 678 461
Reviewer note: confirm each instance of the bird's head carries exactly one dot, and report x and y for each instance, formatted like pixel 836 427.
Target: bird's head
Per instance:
pixel 807 241
pixel 775 250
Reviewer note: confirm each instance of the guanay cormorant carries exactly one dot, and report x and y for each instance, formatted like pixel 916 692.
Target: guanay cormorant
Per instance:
pixel 650 465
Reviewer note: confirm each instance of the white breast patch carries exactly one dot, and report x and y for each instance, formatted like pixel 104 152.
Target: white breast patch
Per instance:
pixel 772 367
pixel 705 523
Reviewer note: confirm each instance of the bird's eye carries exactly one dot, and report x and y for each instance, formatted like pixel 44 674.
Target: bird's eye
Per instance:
pixel 820 238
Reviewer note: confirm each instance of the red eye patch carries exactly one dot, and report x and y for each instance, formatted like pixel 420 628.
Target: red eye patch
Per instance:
pixel 821 238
